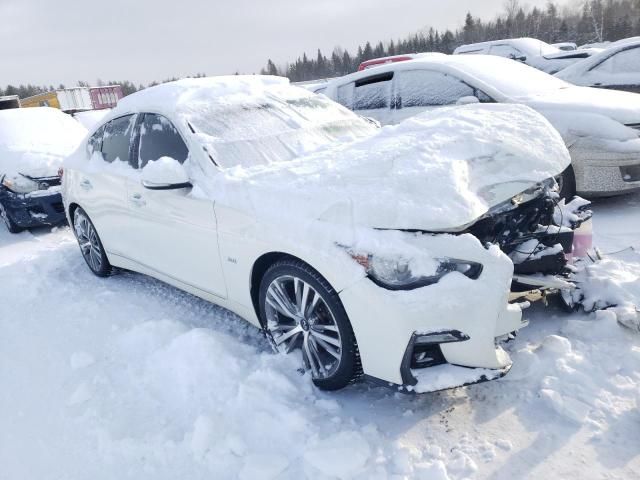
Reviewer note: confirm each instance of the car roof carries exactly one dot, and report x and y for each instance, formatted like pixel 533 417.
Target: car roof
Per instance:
pixel 451 61
pixel 529 44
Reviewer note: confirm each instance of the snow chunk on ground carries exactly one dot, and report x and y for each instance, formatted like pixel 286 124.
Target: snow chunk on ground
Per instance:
pixel 612 283
pixel 342 455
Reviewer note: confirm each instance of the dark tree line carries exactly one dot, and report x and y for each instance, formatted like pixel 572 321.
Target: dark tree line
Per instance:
pixel 589 22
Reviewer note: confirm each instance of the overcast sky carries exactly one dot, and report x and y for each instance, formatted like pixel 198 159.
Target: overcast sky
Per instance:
pixel 47 42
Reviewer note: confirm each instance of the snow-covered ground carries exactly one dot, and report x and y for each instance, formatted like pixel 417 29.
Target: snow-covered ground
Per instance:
pixel 130 378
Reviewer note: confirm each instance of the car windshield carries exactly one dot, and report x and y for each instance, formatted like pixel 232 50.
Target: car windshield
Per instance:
pixel 512 79
pixel 281 125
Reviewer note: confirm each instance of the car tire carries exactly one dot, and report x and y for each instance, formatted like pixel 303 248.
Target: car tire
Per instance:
pixel 567 183
pixel 90 244
pixel 299 309
pixel 8 222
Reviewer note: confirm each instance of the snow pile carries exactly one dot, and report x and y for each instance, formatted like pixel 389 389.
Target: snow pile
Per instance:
pixel 129 378
pixel 471 156
pixel 34 141
pixel 580 375
pixel 165 170
pixel 612 283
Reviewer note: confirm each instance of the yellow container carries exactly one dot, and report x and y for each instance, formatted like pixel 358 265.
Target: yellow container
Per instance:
pixel 49 99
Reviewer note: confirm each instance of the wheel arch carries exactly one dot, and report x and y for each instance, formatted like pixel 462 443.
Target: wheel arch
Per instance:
pixel 71 210
pixel 259 268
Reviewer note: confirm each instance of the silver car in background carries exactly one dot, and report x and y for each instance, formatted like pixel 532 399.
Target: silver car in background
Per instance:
pixel 601 128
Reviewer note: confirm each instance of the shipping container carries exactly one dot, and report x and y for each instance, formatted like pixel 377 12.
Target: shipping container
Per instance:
pixel 9 101
pixel 105 97
pixel 78 99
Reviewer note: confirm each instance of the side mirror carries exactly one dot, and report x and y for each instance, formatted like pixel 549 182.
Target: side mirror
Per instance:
pixel 521 58
pixel 165 174
pixel 470 100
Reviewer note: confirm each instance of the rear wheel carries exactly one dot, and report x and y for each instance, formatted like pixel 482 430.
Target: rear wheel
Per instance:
pixel 300 310
pixel 567 183
pixel 8 222
pixel 90 244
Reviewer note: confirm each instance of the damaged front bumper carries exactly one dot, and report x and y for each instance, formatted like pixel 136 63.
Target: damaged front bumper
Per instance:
pixel 541 235
pixel 414 340
pixel 42 207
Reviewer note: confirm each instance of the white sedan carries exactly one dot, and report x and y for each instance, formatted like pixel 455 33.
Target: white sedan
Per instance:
pixel 531 51
pixel 617 68
pixel 600 127
pixel 335 237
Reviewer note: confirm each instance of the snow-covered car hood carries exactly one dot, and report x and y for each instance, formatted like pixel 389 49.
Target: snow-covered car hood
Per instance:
pixel 623 107
pixel 438 171
pixel 34 141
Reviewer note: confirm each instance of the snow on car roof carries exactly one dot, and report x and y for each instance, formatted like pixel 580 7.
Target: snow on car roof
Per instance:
pixel 510 78
pixel 531 46
pixel 223 90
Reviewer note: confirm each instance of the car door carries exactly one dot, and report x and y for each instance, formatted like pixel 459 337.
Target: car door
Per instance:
pixel 173 232
pixel 421 90
pixel 102 187
pixel 620 71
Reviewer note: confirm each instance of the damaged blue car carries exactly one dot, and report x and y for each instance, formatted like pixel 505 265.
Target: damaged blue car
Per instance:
pixel 33 144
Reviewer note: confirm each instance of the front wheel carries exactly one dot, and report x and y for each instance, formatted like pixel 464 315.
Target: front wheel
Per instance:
pixel 300 310
pixel 90 244
pixel 8 222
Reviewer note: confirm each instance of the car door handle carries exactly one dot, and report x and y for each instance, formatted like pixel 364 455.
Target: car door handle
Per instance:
pixel 86 184
pixel 137 200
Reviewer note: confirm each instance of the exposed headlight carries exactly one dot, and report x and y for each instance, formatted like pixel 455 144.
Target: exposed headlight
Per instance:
pixel 20 184
pixel 396 274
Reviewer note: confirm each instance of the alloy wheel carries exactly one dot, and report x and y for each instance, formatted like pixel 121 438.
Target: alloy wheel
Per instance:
pixel 298 317
pixel 88 241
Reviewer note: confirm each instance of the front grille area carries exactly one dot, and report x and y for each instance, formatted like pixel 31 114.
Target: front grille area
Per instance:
pixel 630 174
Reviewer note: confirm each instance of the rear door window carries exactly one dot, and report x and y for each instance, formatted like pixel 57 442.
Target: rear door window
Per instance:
pixel 426 88
pixel 505 51
pixel 373 92
pixel 159 138
pixel 626 61
pixel 116 140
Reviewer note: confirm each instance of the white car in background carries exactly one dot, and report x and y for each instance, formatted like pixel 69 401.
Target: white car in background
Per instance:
pixel 616 68
pixel 334 236
pixel 565 46
pixel 600 127
pixel 531 51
